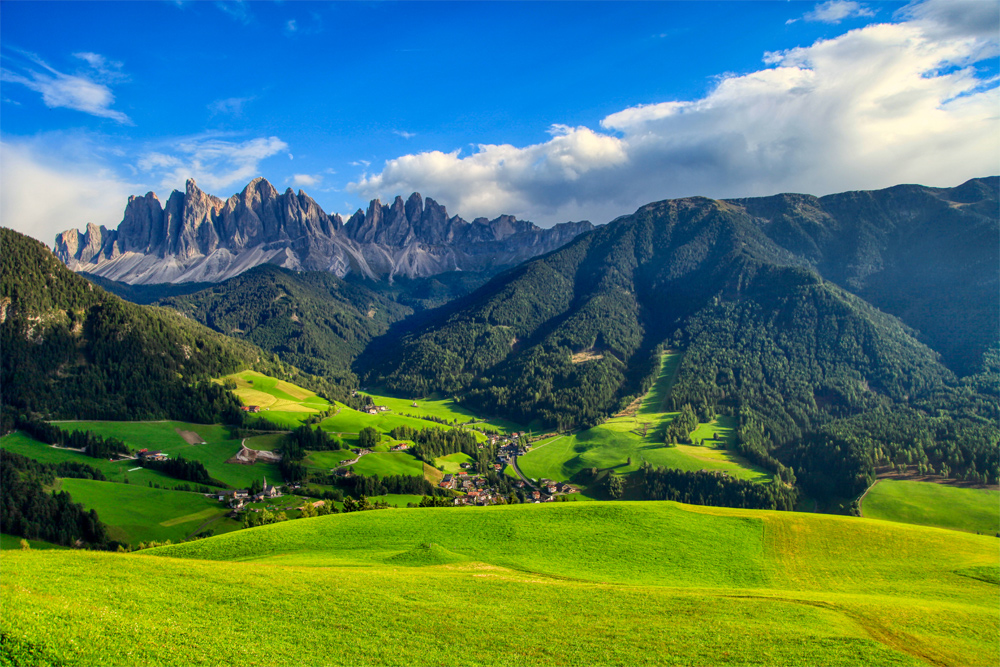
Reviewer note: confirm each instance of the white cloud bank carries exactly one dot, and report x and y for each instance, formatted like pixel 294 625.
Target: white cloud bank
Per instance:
pixel 885 104
pixel 41 198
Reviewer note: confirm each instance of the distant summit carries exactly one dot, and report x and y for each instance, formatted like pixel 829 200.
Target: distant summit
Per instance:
pixel 197 237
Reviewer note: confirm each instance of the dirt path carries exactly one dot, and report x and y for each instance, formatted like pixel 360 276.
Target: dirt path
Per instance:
pixel 861 499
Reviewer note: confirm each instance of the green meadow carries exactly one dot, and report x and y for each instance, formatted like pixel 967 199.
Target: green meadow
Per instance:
pixel 327 460
pixel 216 450
pixel 610 445
pixel 564 583
pixel 115 471
pixel 136 514
pixel 389 463
pixel 928 504
pixel 453 462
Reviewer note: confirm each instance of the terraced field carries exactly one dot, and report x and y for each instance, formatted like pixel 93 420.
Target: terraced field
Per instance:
pixel 928 504
pixel 567 583
pixel 281 402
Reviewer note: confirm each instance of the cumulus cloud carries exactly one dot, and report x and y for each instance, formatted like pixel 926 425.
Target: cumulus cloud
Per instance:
pixel 835 11
pixel 41 197
pixel 880 105
pixel 215 163
pixel 306 180
pixel 84 91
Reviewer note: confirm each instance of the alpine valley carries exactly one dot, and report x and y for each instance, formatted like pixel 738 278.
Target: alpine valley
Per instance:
pixel 749 431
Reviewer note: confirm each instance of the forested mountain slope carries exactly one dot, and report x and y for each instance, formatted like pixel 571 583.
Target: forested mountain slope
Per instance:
pixel 570 337
pixel 71 350
pixel 930 256
pixel 313 320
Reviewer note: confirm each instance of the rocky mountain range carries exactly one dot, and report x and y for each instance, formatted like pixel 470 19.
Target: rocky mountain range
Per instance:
pixel 197 237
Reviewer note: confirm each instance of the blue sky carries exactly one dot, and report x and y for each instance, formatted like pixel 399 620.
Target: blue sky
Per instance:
pixel 549 111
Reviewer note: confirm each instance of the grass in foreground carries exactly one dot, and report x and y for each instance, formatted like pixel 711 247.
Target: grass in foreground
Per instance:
pixel 929 504
pixel 565 583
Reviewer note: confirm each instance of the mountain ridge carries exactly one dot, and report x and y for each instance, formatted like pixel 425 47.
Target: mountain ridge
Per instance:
pixel 197 237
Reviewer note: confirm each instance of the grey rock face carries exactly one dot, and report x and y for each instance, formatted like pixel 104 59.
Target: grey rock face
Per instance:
pixel 199 237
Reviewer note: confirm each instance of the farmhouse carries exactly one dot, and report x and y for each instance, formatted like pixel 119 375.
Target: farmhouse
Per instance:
pixel 157 455
pixel 250 408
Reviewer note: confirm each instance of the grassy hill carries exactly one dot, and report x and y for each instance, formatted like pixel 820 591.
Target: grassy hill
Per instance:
pixel 927 504
pixel 565 583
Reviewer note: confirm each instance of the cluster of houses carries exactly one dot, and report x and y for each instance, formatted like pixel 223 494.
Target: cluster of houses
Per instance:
pixel 375 409
pixel 156 455
pixel 250 408
pixel 237 498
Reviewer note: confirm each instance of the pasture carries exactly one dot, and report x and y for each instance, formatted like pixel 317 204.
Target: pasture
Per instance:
pixel 389 463
pixel 929 504
pixel 219 447
pixel 453 462
pixel 136 514
pixel 636 583
pixel 115 471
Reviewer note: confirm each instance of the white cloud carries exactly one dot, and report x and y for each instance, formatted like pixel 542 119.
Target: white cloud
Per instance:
pixel 215 163
pixel 835 11
pixel 404 134
pixel 42 197
pixel 306 180
pixel 880 105
pixel 291 26
pixel 82 92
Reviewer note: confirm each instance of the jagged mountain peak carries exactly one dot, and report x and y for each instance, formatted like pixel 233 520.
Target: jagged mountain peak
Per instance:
pixel 197 236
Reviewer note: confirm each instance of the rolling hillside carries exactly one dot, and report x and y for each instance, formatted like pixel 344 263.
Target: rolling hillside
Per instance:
pixel 606 583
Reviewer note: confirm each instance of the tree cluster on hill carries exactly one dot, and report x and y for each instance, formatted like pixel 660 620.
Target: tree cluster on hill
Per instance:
pixel 363 485
pixel 26 510
pixel 96 446
pixel 185 469
pixel 710 488
pixel 313 439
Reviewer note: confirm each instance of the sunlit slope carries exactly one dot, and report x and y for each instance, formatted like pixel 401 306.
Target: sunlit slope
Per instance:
pixel 573 583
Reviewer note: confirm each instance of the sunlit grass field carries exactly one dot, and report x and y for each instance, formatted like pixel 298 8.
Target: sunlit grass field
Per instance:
pixel 928 504
pixel 611 444
pixel 218 447
pixel 116 471
pixel 136 514
pixel 389 463
pixel 565 583
pixel 452 463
